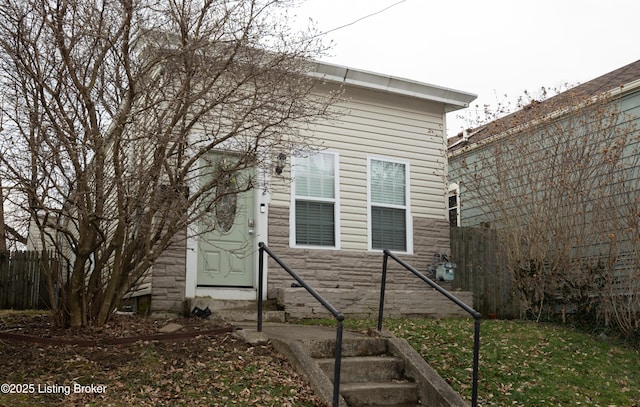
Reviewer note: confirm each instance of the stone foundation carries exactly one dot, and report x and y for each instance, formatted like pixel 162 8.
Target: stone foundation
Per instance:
pixel 427 302
pixel 350 280
pixel 169 277
pixel 351 269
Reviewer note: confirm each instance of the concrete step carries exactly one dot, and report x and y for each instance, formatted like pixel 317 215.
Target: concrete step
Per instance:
pixel 242 315
pixel 417 385
pixel 239 310
pixel 369 375
pixel 362 369
pixel 216 304
pixel 319 349
pixel 380 394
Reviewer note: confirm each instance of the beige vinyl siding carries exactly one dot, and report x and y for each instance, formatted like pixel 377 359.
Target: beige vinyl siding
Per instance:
pixel 35 237
pixel 387 126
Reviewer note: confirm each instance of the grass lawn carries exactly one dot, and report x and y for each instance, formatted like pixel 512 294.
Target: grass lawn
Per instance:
pixel 524 363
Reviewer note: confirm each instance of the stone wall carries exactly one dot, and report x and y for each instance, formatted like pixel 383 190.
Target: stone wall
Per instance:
pixel 169 277
pixel 424 302
pixel 352 278
pixel 351 268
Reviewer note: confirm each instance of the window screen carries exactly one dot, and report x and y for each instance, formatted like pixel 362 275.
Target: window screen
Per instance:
pixel 315 200
pixel 388 205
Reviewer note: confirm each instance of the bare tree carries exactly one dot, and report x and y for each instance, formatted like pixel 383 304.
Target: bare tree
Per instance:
pixel 126 120
pixel 555 180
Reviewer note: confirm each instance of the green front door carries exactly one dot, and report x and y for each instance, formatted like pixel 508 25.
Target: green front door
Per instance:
pixel 226 253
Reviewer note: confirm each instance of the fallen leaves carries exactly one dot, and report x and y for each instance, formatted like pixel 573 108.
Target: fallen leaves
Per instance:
pixel 201 371
pixel 526 364
pixel 566 367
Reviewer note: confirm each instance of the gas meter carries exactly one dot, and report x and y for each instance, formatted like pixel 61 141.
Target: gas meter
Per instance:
pixel 442 267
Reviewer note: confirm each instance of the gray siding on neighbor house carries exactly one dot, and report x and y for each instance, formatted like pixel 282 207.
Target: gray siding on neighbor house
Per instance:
pixel 461 166
pixel 608 241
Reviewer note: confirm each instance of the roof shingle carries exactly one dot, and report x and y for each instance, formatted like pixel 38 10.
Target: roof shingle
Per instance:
pixel 609 81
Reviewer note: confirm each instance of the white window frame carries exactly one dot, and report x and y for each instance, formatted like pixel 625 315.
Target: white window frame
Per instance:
pixel 454 190
pixel 406 206
pixel 297 157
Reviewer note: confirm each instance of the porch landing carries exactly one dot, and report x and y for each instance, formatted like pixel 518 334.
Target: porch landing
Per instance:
pixel 293 303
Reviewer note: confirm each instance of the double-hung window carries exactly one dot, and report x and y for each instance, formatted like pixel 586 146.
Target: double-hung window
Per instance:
pixel 314 206
pixel 389 217
pixel 454 205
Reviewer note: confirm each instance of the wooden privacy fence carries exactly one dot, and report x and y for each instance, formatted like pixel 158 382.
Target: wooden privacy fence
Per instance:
pixel 479 270
pixel 23 284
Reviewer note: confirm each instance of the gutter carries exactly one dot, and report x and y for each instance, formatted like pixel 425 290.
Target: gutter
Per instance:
pixel 451 98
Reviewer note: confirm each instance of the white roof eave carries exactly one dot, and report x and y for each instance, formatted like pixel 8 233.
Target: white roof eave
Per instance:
pixel 452 99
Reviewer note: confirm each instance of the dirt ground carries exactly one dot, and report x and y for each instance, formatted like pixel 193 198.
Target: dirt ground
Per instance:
pixel 130 362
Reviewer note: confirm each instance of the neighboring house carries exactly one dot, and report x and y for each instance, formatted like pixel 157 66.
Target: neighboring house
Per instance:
pixel 377 180
pixel 463 149
pixel 468 152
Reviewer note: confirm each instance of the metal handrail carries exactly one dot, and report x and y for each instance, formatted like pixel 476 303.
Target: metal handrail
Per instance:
pixel 336 314
pixel 475 314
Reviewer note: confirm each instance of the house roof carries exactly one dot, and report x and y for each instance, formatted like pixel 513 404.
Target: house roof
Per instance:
pixel 451 98
pixel 618 78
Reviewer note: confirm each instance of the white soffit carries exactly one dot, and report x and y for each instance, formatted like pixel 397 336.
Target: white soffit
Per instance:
pixel 452 99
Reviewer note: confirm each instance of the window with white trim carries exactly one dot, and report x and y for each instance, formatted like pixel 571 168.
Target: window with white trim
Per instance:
pixel 389 217
pixel 314 206
pixel 454 205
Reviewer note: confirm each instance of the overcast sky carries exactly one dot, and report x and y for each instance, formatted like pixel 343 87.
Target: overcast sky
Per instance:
pixel 489 48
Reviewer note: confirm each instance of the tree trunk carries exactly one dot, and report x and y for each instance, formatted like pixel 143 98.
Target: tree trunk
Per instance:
pixel 75 299
pixel 3 235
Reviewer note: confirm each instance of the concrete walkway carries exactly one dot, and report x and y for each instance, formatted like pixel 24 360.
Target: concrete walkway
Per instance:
pixel 283 331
